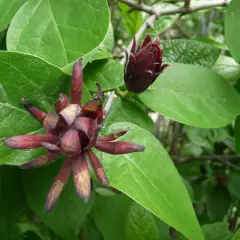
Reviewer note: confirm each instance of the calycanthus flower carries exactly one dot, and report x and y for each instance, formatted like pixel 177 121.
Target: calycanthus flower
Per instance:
pixel 72 131
pixel 143 65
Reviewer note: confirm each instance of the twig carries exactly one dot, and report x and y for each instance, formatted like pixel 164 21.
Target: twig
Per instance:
pixel 140 7
pixel 176 10
pixel 224 159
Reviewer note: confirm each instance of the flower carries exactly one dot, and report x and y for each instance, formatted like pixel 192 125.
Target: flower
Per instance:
pixel 144 65
pixel 72 131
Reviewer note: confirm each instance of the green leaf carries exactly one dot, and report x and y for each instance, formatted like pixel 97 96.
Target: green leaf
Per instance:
pixel 141 224
pixel 217 231
pixel 127 110
pixel 110 215
pixel 7 11
pixel 236 235
pixel 237 134
pixel 218 201
pixel 151 179
pixel 104 50
pixel 109 73
pixel 190 51
pixel 213 43
pixel 193 95
pixel 11 202
pixel 67 216
pixel 232 21
pixel 36 80
pixel 132 19
pixel 227 67
pixel 59 32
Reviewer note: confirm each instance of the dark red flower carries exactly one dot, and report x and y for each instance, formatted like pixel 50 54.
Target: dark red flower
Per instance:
pixel 72 131
pixel 144 65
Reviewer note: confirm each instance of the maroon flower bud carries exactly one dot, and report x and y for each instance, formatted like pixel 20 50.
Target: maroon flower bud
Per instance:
pixel 144 65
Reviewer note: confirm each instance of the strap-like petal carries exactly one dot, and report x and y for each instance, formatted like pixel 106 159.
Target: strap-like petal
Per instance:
pixel 81 176
pixel 40 161
pixel 98 168
pixel 77 83
pixel 36 112
pixel 116 148
pixel 30 141
pixel 58 184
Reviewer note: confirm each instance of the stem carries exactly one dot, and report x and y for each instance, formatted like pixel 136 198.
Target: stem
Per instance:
pixel 175 10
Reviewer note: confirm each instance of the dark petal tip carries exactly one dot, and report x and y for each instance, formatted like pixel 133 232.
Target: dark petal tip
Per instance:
pixel 140 148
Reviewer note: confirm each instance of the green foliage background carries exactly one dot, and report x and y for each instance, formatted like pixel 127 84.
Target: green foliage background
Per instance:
pixel 185 185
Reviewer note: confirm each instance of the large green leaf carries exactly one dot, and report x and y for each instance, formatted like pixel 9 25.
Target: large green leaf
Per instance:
pixel 232 21
pixel 103 51
pixel 11 202
pixel 30 77
pixel 217 231
pixel 227 67
pixel 110 215
pixel 193 95
pixel 109 73
pixel 59 31
pixel 141 224
pixel 190 51
pixel 128 110
pixel 151 179
pixel 67 216
pixel 7 11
